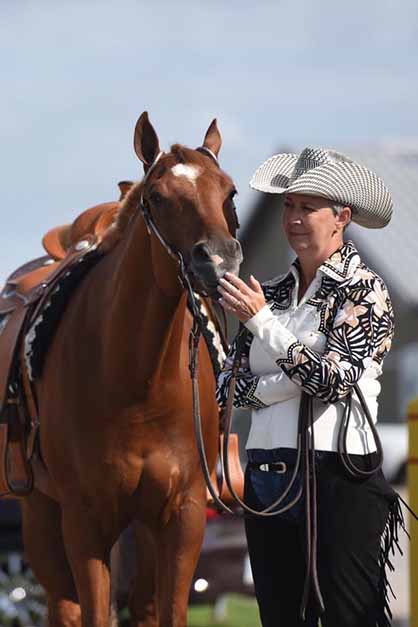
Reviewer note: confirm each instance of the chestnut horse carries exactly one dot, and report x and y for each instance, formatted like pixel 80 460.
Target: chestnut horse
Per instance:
pixel 115 399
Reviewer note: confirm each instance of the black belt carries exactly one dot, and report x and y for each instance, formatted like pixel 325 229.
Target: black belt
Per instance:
pixel 279 467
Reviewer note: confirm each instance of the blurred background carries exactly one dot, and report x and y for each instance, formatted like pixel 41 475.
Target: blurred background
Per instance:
pixel 278 75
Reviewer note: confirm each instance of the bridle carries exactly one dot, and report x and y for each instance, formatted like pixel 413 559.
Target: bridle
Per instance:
pixel 305 460
pixel 149 222
pixel 152 228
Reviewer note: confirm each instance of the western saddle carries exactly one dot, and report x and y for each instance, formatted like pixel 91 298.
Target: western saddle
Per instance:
pixel 24 297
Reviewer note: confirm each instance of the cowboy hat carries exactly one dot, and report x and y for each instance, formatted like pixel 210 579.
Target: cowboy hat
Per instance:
pixel 332 175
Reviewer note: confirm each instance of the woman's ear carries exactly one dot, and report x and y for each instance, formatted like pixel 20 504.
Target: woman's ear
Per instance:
pixel 343 218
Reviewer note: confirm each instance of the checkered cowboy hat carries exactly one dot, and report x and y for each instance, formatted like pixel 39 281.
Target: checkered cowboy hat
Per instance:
pixel 327 173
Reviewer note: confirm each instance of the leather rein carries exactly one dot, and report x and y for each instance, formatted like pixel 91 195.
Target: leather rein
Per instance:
pixel 305 466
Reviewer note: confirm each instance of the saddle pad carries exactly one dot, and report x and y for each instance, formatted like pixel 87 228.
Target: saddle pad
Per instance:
pixel 42 329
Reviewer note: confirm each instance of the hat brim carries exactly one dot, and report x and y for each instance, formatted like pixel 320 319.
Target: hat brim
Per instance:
pixel 274 174
pixel 345 183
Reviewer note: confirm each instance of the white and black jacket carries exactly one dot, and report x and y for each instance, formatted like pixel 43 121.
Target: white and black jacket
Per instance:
pixel 337 335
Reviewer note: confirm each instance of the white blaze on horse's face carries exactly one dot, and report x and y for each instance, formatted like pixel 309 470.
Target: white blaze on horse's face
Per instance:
pixel 190 172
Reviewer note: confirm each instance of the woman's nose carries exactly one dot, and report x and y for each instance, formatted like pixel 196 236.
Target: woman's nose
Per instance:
pixel 295 217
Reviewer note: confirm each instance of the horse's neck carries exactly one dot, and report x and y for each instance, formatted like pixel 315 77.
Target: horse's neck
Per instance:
pixel 145 300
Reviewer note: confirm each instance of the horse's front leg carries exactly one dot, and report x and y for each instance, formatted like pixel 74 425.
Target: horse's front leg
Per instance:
pixel 143 604
pixel 44 547
pixel 179 543
pixel 88 549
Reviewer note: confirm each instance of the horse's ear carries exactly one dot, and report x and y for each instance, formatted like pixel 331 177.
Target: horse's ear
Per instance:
pixel 146 142
pixel 213 139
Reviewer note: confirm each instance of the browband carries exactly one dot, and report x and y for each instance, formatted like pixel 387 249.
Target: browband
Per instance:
pixel 209 153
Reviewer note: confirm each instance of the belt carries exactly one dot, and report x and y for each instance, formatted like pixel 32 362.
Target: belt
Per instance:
pixel 279 467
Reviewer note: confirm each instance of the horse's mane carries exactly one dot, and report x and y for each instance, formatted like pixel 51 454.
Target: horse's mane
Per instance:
pixel 129 206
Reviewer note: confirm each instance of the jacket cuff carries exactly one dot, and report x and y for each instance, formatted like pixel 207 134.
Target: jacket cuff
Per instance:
pixel 274 337
pixel 255 323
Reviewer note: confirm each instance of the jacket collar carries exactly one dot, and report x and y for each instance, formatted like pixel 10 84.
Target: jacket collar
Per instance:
pixel 341 265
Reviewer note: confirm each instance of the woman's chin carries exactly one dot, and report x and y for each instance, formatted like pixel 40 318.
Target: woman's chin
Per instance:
pixel 299 244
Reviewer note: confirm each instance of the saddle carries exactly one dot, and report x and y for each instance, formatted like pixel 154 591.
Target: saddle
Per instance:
pixel 22 299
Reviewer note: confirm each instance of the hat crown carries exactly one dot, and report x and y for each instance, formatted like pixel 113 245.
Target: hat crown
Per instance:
pixel 311 158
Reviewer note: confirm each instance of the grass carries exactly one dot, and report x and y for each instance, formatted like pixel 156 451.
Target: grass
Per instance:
pixel 240 612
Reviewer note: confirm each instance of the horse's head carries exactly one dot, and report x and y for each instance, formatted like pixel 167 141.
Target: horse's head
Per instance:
pixel 190 200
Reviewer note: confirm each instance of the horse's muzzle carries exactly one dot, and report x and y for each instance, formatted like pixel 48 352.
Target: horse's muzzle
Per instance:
pixel 211 259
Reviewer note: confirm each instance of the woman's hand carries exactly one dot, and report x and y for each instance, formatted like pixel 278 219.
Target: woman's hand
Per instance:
pixel 241 299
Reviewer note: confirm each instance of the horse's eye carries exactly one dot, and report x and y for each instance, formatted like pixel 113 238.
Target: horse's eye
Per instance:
pixel 233 210
pixel 155 198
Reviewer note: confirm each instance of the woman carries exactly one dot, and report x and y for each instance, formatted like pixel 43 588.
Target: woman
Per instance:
pixel 322 327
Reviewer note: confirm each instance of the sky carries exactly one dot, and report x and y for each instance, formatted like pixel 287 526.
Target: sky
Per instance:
pixel 76 75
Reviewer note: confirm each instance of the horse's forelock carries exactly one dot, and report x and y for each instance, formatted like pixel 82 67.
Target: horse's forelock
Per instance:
pixel 188 156
pixel 179 152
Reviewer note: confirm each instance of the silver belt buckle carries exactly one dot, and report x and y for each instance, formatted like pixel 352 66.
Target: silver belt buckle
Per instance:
pixel 280 471
pixel 283 468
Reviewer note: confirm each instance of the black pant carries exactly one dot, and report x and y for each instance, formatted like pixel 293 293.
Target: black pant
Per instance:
pixel 352 515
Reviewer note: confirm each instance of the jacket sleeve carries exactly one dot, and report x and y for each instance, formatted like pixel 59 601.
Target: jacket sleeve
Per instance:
pixel 360 336
pixel 246 381
pixel 252 391
pixel 275 388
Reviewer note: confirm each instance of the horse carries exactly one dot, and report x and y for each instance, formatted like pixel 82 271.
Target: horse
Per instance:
pixel 115 400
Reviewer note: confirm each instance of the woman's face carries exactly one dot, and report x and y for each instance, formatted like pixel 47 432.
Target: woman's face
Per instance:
pixel 310 223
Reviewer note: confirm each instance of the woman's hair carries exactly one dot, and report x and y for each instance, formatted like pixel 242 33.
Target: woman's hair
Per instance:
pixel 337 208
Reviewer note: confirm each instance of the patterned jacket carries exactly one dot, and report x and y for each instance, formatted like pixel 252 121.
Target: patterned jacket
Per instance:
pixel 353 311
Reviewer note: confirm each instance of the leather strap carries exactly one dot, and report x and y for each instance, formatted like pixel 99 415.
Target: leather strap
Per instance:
pixel 305 464
pixel 353 470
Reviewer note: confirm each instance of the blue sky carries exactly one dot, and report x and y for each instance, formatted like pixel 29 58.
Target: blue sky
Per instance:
pixel 75 76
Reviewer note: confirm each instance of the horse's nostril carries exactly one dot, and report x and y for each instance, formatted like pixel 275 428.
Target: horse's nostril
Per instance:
pixel 236 248
pixel 201 253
